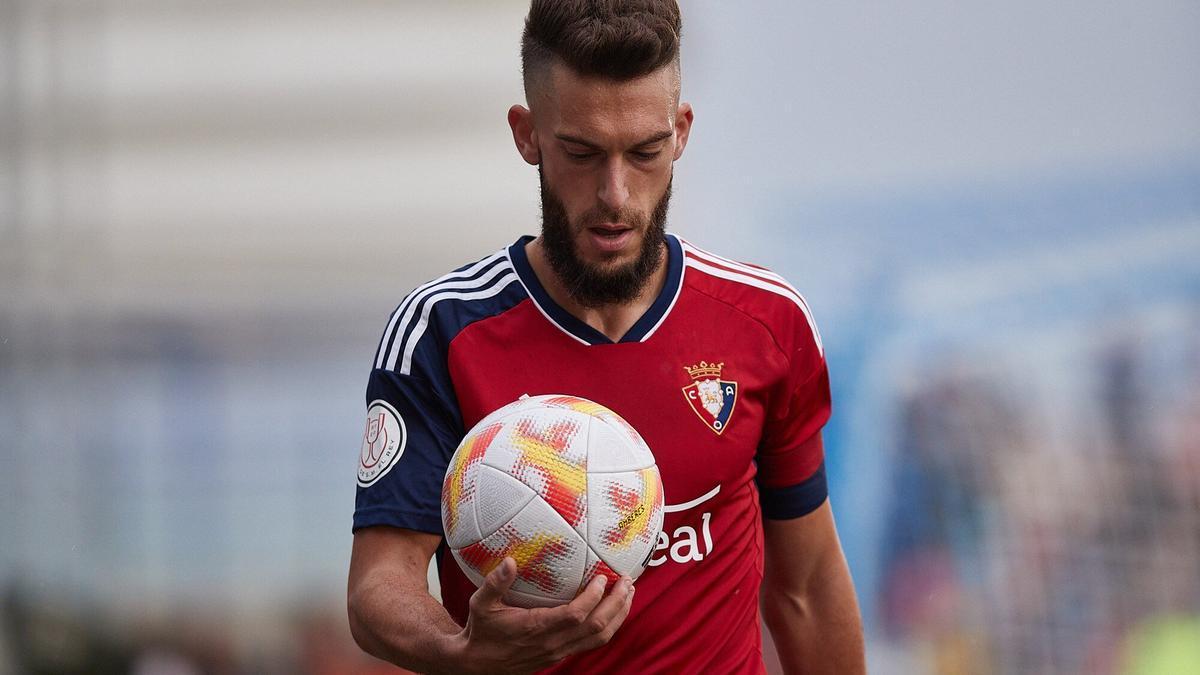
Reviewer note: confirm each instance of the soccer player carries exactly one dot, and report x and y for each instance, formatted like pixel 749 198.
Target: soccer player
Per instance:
pixel 718 364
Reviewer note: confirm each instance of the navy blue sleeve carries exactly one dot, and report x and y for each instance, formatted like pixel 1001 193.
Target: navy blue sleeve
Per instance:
pixel 414 423
pixel 793 501
pixel 410 435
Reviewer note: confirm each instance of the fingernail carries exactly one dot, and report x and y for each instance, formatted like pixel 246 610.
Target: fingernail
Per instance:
pixel 603 582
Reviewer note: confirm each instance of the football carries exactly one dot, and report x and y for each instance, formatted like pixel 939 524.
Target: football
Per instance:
pixel 564 486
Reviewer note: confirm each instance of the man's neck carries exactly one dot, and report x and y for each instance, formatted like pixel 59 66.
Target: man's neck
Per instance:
pixel 613 320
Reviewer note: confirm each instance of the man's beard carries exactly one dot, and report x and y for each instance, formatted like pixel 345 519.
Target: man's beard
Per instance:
pixel 594 285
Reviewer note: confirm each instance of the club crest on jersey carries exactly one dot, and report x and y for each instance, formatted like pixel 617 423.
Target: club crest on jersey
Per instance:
pixel 712 398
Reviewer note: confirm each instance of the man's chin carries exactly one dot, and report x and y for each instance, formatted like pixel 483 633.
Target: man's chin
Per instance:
pixel 609 265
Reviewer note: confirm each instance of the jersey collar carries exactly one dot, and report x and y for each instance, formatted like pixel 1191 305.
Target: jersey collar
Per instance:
pixel 580 331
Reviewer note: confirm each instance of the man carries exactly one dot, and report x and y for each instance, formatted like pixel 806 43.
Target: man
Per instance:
pixel 716 363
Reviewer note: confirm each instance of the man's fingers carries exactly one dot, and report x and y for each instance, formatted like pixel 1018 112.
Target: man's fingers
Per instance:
pixel 585 602
pixel 617 603
pixel 602 623
pixel 496 584
pixel 586 622
pixel 571 615
pixel 601 614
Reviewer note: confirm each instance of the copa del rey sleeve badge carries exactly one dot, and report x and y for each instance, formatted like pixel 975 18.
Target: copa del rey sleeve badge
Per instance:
pixel 711 398
pixel 383 442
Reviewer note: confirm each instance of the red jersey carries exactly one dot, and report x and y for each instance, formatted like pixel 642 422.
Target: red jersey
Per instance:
pixel 724 377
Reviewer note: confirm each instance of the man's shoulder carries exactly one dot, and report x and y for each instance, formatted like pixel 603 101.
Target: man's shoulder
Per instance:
pixel 753 290
pixel 439 309
pixel 722 274
pixel 479 268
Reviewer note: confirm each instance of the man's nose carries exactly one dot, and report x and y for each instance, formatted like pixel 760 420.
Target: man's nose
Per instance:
pixel 614 190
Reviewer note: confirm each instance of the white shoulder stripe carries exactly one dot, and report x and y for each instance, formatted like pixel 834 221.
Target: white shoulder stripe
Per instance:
pixel 410 299
pixel 752 271
pixel 758 282
pixel 742 267
pixel 411 343
pixel 769 277
pixel 432 292
pixel 748 269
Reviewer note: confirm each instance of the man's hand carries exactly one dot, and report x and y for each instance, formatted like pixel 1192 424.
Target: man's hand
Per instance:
pixel 500 638
pixel 393 617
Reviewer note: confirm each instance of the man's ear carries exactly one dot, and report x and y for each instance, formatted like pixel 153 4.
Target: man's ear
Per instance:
pixel 520 120
pixel 683 127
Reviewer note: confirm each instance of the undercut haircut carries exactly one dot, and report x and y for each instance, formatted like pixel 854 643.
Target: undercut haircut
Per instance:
pixel 617 39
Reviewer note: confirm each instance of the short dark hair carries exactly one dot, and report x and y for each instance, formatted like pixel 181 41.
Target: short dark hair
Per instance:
pixel 619 39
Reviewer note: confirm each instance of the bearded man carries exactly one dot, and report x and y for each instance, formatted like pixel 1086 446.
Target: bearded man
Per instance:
pixel 717 364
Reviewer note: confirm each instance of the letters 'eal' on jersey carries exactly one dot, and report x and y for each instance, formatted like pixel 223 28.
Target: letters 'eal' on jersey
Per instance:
pixel 724 377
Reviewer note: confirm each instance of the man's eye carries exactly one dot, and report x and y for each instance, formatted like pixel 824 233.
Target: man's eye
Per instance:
pixel 647 155
pixel 580 156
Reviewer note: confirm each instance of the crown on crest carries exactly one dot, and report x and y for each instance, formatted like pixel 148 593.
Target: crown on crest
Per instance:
pixel 705 370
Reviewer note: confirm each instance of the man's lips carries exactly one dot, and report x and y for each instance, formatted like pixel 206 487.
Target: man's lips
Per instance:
pixel 610 238
pixel 610 228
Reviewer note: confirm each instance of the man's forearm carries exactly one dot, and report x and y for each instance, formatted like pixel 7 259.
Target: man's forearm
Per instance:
pixel 819 631
pixel 407 627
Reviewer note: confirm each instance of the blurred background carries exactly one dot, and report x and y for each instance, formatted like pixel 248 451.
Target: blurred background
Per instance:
pixel 209 208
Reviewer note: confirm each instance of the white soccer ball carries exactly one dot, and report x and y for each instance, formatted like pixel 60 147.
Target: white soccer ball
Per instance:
pixel 562 485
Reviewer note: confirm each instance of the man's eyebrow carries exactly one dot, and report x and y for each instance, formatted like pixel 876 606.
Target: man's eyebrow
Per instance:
pixel 660 136
pixel 655 138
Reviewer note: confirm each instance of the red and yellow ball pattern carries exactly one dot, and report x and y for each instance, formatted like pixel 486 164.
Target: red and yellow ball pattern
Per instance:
pixel 561 484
